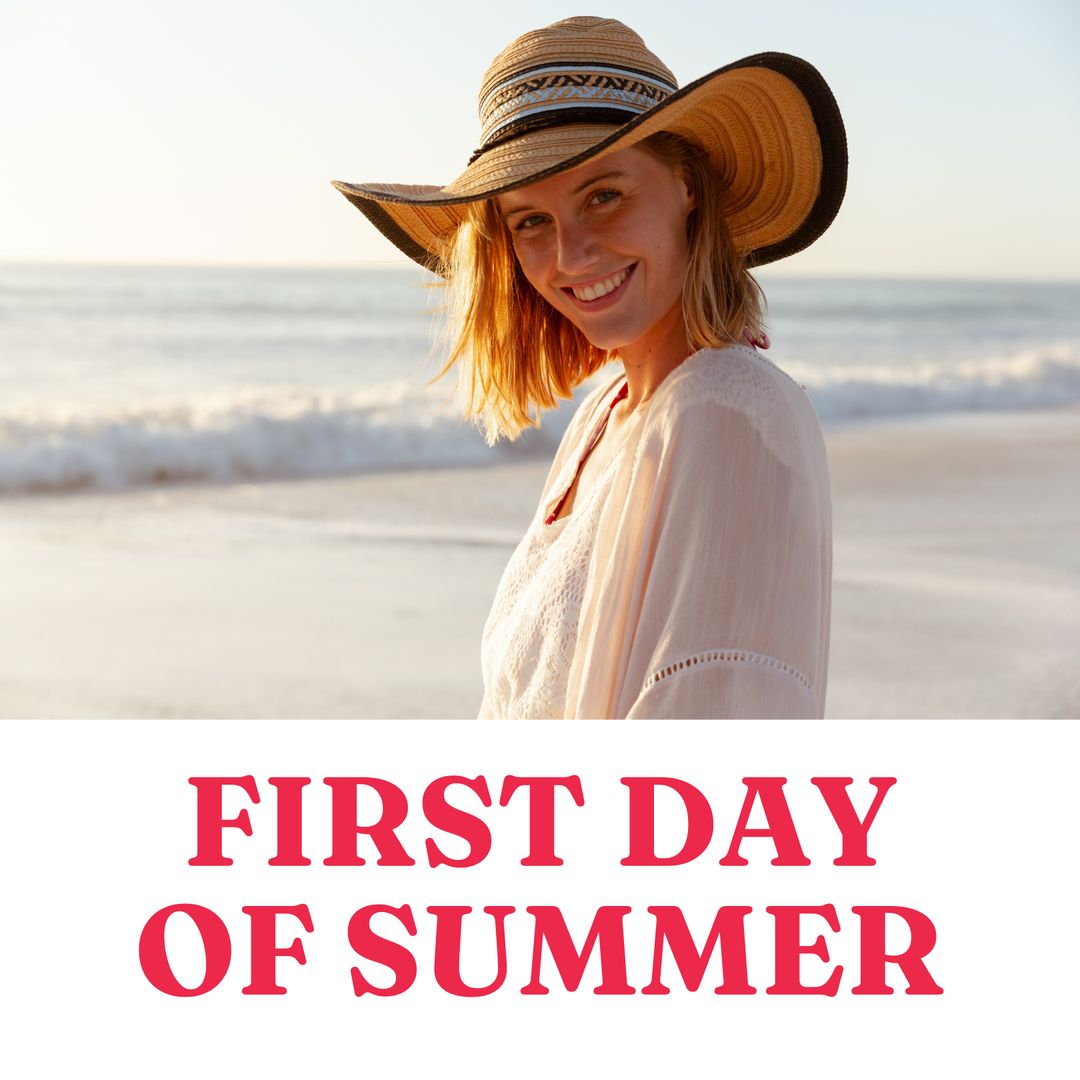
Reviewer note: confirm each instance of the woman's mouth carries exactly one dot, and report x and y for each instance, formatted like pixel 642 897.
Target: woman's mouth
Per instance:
pixel 601 293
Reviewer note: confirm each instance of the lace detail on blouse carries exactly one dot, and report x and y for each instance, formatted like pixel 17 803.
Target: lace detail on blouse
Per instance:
pixel 532 632
pixel 746 382
pixel 729 656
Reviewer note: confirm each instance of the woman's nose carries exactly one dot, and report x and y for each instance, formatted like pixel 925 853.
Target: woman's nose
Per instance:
pixel 576 248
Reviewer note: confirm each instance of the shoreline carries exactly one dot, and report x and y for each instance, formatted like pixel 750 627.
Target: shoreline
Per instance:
pixel 956 583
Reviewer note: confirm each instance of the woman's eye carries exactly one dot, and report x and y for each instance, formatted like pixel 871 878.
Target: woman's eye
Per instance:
pixel 606 196
pixel 529 222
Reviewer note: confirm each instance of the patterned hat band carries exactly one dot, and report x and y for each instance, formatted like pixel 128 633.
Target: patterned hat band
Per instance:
pixel 569 93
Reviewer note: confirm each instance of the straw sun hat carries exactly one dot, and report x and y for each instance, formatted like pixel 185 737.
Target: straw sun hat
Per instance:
pixel 584 87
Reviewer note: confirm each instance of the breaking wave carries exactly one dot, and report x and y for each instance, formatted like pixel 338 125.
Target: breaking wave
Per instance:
pixel 288 433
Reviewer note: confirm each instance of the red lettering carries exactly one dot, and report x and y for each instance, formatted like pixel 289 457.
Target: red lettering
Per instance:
pixel 344 829
pixel 853 831
pixel 873 956
pixel 607 928
pixel 448 950
pixel 770 790
pixel 290 817
pixel 264 947
pixel 217 950
pixel 456 822
pixel 366 943
pixel 699 821
pixel 728 926
pixel 208 819
pixel 542 812
pixel 789 949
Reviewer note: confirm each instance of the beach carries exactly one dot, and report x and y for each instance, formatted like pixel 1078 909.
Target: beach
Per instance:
pixel 956 584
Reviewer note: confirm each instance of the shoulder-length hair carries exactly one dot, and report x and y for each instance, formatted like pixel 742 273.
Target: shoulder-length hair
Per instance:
pixel 522 355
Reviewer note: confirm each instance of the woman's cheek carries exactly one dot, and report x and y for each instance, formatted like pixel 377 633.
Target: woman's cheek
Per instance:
pixel 531 261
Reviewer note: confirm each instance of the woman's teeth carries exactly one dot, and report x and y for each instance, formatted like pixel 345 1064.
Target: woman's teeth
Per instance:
pixel 602 288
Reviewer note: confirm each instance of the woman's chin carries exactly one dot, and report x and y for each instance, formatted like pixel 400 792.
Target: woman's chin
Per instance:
pixel 610 340
pixel 608 344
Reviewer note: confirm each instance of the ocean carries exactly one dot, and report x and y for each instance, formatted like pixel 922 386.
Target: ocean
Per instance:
pixel 112 377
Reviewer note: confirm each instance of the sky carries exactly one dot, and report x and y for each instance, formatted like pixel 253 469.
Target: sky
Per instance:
pixel 209 132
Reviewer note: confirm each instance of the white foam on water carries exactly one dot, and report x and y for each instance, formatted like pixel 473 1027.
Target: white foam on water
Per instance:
pixel 279 434
pixel 116 377
pixel 292 433
pixel 1037 377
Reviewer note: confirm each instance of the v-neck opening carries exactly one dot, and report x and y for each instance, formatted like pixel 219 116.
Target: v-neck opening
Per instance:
pixel 569 474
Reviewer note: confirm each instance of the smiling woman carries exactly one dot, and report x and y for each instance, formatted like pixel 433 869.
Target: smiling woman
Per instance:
pixel 679 562
pixel 586 244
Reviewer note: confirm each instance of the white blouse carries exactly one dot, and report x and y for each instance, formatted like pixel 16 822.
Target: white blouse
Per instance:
pixel 693 576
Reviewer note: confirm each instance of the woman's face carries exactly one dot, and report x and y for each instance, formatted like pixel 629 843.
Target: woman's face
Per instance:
pixel 605 244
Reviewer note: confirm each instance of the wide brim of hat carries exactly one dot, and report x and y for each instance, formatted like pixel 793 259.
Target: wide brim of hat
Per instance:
pixel 769 122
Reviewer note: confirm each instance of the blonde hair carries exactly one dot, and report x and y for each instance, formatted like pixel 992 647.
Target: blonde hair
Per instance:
pixel 521 354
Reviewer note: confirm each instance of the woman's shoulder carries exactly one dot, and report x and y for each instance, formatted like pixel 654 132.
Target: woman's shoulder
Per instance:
pixel 737 376
pixel 740 379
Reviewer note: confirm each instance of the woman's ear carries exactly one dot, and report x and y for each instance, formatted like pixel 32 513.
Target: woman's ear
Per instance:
pixel 691 191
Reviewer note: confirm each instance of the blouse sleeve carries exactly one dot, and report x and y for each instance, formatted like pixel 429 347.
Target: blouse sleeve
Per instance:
pixel 726 683
pixel 715 602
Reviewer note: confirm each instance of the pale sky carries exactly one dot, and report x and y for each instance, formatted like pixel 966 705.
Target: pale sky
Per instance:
pixel 209 131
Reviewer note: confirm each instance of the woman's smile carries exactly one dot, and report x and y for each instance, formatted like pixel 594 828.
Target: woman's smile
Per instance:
pixel 601 293
pixel 606 245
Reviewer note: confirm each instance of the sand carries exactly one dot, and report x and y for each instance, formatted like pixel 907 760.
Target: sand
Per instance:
pixel 956 584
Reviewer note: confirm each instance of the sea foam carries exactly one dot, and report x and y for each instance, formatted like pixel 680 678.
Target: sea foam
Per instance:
pixel 270 434
pixel 1041 376
pixel 289 432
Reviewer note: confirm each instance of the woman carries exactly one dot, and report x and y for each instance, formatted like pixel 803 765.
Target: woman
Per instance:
pixel 679 563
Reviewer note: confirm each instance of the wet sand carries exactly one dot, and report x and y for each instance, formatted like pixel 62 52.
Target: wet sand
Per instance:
pixel 956 584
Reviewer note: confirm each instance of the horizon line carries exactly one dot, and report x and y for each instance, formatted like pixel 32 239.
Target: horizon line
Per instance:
pixel 397 265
